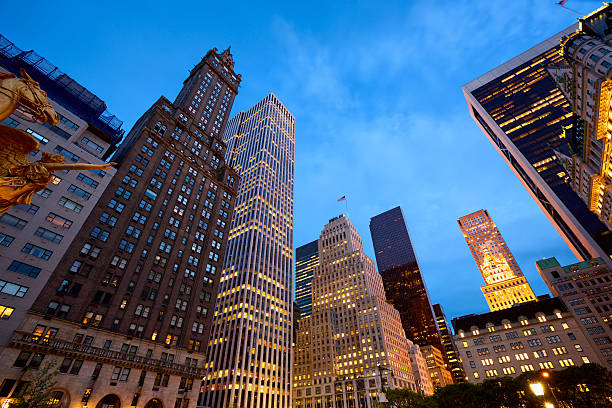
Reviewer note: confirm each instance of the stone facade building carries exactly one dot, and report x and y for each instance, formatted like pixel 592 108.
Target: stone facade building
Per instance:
pixel 440 375
pixel 34 238
pixel 420 371
pixel 353 343
pixel 586 290
pixel 527 337
pixel 505 284
pixel 126 314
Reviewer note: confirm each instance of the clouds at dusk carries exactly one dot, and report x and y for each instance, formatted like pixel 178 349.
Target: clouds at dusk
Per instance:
pixel 376 92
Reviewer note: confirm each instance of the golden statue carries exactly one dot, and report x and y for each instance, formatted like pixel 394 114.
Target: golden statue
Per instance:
pixel 19 177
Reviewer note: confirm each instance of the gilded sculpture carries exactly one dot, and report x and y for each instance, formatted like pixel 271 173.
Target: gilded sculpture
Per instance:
pixel 19 177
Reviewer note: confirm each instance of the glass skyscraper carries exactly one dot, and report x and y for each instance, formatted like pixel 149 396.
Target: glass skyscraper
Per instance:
pixel 449 345
pixel 527 118
pixel 249 355
pixel 403 281
pixel 306 260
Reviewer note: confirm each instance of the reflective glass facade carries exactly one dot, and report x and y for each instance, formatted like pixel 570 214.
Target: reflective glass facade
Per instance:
pixel 250 348
pixel 522 111
pixel 306 260
pixel 403 281
pixel 452 356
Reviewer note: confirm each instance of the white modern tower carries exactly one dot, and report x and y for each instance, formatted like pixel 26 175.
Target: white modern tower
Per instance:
pixel 249 363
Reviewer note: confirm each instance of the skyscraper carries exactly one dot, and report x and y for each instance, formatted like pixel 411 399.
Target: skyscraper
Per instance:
pixel 440 375
pixel 34 238
pixel 127 312
pixel 527 118
pixel 403 281
pixel 588 164
pixel 505 284
pixel 249 360
pixel 306 260
pixel 353 343
pixel 452 356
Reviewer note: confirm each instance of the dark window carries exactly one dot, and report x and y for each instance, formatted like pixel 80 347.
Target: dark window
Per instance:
pixel 7 386
pixel 13 221
pixel 24 269
pixel 63 368
pixel 79 192
pixel 76 367
pixel 22 359
pixel 48 235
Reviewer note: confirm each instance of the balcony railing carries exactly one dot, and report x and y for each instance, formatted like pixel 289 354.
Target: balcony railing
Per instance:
pixel 24 340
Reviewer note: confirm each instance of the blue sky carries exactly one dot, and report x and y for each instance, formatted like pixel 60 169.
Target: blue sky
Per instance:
pixel 376 91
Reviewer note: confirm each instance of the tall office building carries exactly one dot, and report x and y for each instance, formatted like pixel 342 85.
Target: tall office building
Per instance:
pixel 452 356
pixel 420 370
pixel 404 284
pixel 440 375
pixel 353 343
pixel 306 260
pixel 505 284
pixel 249 361
pixel 34 238
pixel 583 79
pixel 527 118
pixel 126 314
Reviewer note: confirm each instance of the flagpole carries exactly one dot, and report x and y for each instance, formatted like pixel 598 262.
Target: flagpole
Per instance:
pixel 346 206
pixel 569 9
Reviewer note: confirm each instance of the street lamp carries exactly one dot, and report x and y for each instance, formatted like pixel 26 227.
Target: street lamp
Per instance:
pixel 537 389
pixel 546 376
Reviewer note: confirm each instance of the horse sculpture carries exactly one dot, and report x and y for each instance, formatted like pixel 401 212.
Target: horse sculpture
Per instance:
pixel 19 177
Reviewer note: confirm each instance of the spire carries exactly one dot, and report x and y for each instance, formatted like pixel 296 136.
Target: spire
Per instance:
pixel 226 58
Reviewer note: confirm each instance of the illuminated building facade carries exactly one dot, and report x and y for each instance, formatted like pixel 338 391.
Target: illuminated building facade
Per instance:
pixel 354 338
pixel 585 82
pixel 505 284
pixel 452 356
pixel 440 376
pixel 403 281
pixel 249 360
pixel 586 290
pixel 126 315
pixel 527 337
pixel 420 370
pixel 34 238
pixel 306 260
pixel 528 119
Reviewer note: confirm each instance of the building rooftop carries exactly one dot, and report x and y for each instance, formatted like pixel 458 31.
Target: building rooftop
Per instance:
pixel 63 89
pixel 553 263
pixel 545 304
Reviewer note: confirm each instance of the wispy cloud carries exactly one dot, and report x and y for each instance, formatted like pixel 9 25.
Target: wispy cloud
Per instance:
pixel 381 118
